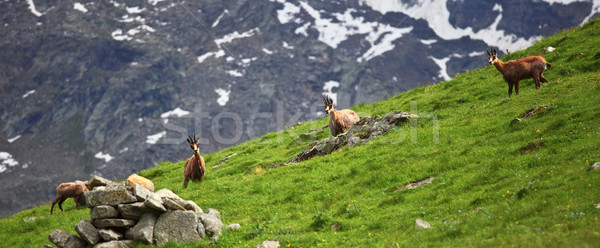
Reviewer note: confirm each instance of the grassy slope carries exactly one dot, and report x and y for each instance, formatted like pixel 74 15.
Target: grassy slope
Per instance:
pixel 485 192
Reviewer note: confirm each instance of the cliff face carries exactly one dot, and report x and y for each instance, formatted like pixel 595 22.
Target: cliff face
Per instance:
pixel 112 87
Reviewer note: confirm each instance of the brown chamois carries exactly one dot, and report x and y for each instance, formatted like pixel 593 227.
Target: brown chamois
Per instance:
pixel 339 121
pixel 194 167
pixel 66 190
pixel 516 70
pixel 142 181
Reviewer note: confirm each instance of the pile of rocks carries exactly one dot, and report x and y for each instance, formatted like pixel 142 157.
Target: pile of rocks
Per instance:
pixel 120 218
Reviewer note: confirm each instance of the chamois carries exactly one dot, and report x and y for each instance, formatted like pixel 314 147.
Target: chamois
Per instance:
pixel 66 190
pixel 339 121
pixel 142 181
pixel 194 167
pixel 516 70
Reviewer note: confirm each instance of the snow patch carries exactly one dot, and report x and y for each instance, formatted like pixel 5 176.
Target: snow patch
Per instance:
pixel 437 16
pixel 442 64
pixel 235 73
pixel 235 35
pixel 328 89
pixel 287 46
pixel 28 93
pixel 497 7
pixel 476 54
pixel 104 156
pixel 7 160
pixel 223 96
pixel 154 2
pixel 565 2
pixel 153 139
pixel 13 139
pixel 343 25
pixel 288 13
pixel 134 10
pixel 429 42
pixel 32 8
pixel 175 112
pixel 219 18
pixel 118 35
pixel 267 51
pixel 80 7
pixel 124 150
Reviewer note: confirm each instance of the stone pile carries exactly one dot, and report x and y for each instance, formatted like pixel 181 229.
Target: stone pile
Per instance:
pixel 121 218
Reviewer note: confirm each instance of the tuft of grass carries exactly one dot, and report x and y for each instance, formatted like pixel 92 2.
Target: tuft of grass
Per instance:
pixel 485 193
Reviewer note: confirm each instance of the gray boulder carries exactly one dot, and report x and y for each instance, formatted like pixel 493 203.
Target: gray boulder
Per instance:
pixel 211 219
pixel 112 195
pixel 168 193
pixel 64 239
pixel 116 244
pixel 191 205
pixel 144 230
pixel 176 226
pixel 87 232
pixel 104 223
pixel 48 246
pixel 421 224
pixel 96 181
pixel 269 244
pixel 595 166
pixel 103 212
pixel 155 202
pixel 110 235
pixel 171 204
pixel 133 211
pixel 141 193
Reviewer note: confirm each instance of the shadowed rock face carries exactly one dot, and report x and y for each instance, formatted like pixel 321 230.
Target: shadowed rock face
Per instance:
pixel 75 83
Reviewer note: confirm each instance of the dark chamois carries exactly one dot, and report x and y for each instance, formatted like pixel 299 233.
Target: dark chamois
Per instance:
pixel 516 70
pixel 194 167
pixel 339 121
pixel 66 190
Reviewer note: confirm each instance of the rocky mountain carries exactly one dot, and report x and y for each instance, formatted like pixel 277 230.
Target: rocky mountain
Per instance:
pixel 112 87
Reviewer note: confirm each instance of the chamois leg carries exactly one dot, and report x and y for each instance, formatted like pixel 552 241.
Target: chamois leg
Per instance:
pixel 517 88
pixel 510 87
pixel 60 204
pixel 54 202
pixel 76 202
pixel 185 182
pixel 542 78
pixel 536 79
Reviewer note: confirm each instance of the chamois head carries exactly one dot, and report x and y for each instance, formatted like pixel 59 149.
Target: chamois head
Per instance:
pixel 328 104
pixel 492 56
pixel 193 141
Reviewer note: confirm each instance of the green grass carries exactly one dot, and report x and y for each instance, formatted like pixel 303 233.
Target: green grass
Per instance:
pixel 485 192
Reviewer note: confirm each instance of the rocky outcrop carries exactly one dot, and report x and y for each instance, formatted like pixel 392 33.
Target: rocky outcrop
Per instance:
pixel 63 239
pixel 366 129
pixel 87 232
pixel 140 216
pixel 176 226
pixel 268 244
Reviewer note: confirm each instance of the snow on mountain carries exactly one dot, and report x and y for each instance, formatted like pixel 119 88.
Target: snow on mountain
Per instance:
pixel 6 161
pixel 104 156
pixel 438 18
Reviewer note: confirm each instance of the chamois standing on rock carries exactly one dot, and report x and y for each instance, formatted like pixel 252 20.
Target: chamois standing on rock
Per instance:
pixel 194 167
pixel 66 190
pixel 516 70
pixel 339 121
